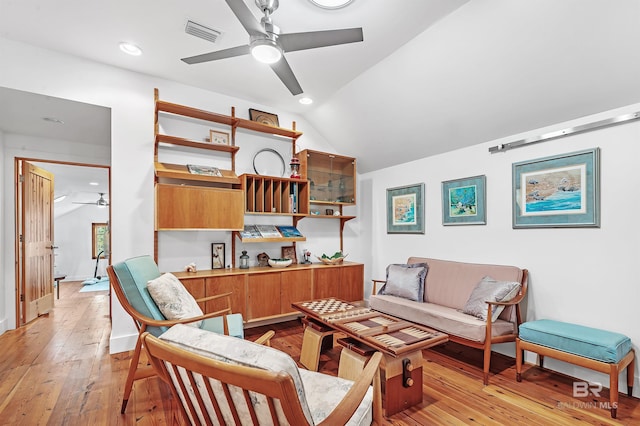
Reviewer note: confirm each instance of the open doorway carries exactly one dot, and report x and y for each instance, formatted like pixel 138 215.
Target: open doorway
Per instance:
pixel 81 208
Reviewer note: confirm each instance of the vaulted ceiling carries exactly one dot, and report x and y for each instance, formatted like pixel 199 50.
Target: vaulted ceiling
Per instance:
pixel 431 75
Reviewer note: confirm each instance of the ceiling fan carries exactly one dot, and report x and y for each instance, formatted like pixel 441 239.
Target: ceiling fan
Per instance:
pixel 101 202
pixel 267 45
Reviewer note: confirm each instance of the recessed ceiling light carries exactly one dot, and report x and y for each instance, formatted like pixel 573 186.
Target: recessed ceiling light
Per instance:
pixel 130 49
pixel 60 198
pixel 94 183
pixel 305 101
pixel 53 120
pixel 331 4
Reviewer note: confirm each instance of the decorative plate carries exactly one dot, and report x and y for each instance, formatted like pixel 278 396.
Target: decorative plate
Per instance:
pixel 268 162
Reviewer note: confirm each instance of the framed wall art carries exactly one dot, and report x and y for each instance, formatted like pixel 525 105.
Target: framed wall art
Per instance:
pixel 263 117
pixel 217 256
pixel 289 252
pixel 464 201
pixel 221 138
pixel 558 191
pixel 405 209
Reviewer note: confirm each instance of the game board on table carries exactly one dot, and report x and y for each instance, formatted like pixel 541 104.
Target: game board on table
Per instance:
pixel 373 328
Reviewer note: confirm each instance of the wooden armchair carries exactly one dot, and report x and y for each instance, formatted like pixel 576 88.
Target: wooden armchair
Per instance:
pixel 129 281
pixel 220 380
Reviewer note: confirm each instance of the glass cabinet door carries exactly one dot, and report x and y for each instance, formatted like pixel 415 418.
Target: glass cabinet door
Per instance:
pixel 331 177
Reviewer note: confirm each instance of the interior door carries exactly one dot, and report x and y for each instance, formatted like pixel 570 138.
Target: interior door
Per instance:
pixel 36 236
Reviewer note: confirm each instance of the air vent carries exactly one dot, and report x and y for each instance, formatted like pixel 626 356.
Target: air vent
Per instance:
pixel 202 32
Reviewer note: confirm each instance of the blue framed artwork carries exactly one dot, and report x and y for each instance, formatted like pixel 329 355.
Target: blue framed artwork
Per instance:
pixel 559 191
pixel 405 209
pixel 464 201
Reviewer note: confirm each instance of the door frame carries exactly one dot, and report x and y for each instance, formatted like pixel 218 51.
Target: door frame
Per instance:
pixel 19 261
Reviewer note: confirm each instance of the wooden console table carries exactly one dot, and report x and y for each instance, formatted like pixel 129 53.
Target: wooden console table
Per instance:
pixel 265 294
pixel 401 343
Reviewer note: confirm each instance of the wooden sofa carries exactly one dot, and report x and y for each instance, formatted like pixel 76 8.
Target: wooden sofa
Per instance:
pixel 447 288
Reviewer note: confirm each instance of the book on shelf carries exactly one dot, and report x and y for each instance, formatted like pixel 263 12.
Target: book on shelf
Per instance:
pixel 204 170
pixel 268 231
pixel 293 197
pixel 289 231
pixel 250 231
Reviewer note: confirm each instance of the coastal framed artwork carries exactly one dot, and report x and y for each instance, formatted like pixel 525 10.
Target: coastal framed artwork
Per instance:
pixel 464 201
pixel 558 191
pixel 405 209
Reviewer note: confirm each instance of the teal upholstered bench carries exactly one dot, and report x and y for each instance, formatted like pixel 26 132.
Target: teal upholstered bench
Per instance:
pixel 593 348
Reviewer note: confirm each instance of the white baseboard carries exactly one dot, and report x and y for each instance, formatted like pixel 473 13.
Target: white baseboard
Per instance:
pixel 122 343
pixel 3 326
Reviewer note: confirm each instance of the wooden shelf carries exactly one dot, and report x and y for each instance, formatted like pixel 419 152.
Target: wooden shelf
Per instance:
pixel 175 140
pixel 180 171
pixel 269 240
pixel 264 128
pixel 163 106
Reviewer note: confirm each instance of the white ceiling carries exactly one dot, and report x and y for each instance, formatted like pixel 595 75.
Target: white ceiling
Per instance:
pixel 431 75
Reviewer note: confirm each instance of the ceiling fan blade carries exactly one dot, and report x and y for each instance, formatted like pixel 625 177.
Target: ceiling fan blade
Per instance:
pixel 246 18
pixel 220 54
pixel 285 73
pixel 310 40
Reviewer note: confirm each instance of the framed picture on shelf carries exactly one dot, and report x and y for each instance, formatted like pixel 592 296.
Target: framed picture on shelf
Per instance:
pixel 217 256
pixel 464 201
pixel 220 138
pixel 405 209
pixel 289 252
pixel 557 192
pixel 263 117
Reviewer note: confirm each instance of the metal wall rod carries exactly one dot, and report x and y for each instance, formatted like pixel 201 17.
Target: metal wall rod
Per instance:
pixel 567 132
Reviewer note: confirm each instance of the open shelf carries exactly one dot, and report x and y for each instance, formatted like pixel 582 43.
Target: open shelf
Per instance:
pixel 180 171
pixel 175 140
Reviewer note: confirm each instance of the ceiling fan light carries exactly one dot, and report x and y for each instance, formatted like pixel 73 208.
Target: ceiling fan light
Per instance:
pixel 331 4
pixel 266 51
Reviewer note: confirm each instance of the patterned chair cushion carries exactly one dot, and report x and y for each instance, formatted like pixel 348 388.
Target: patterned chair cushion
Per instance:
pixel 318 393
pixel 239 352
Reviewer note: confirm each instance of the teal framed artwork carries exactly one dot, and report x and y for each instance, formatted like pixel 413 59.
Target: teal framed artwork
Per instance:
pixel 464 201
pixel 557 192
pixel 405 209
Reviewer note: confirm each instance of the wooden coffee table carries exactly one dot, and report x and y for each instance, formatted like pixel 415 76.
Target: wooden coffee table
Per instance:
pixel 366 331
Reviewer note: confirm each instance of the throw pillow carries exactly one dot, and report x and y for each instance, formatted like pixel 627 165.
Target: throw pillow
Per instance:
pixel 406 281
pixel 173 300
pixel 489 289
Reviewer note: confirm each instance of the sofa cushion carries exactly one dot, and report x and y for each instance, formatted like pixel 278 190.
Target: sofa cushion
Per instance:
pixel 405 281
pixel 442 318
pixel 491 290
pixel 173 299
pixel 444 274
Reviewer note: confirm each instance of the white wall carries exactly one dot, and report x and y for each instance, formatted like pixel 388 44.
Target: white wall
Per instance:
pixel 130 97
pixel 580 275
pixel 73 237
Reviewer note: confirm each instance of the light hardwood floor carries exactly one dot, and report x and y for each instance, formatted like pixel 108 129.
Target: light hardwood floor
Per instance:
pixel 58 371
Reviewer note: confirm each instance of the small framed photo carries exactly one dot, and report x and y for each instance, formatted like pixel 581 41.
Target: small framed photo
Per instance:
pixel 289 252
pixel 263 117
pixel 405 209
pixel 464 201
pixel 557 192
pixel 217 256
pixel 221 138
